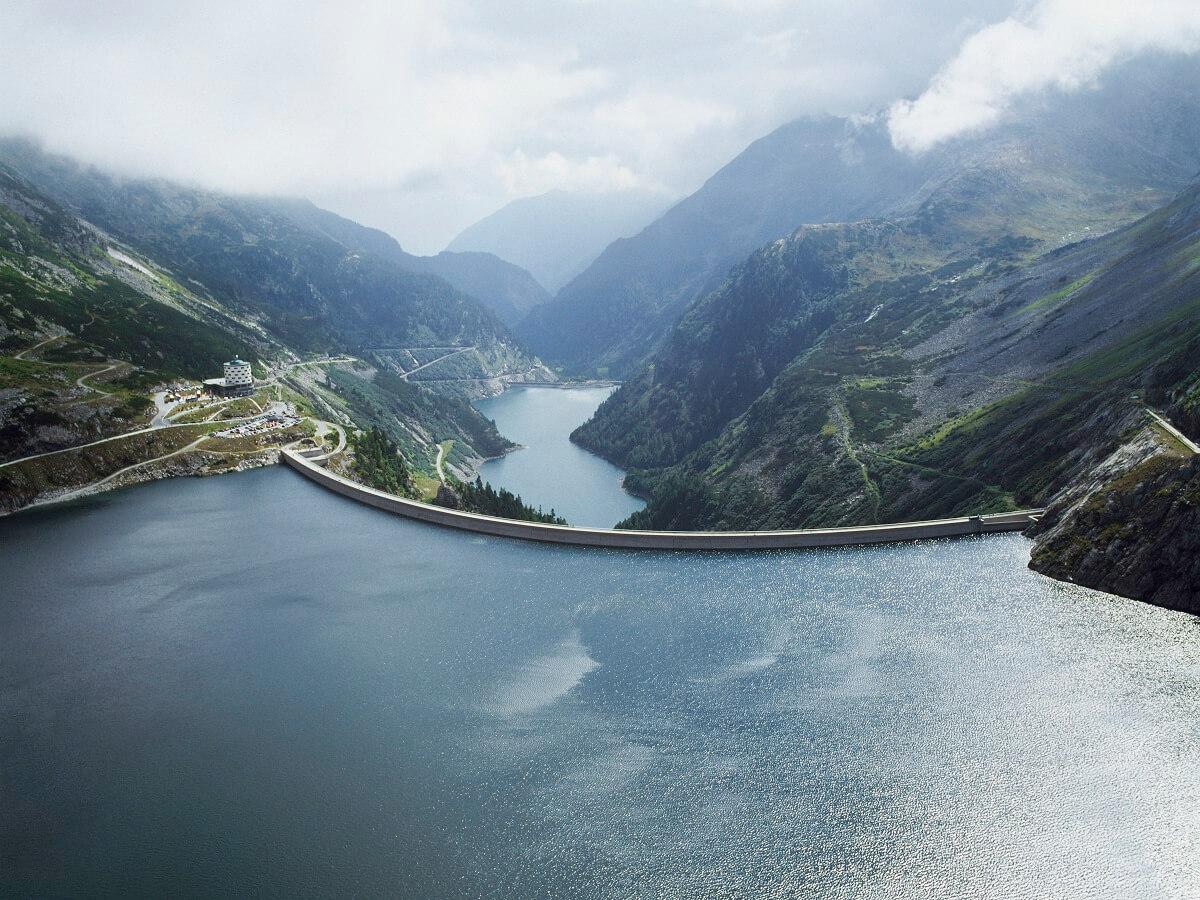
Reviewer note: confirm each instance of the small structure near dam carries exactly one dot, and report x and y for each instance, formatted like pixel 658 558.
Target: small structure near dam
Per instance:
pixel 659 540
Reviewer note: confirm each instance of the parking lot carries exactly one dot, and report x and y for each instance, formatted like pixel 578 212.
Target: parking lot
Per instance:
pixel 280 416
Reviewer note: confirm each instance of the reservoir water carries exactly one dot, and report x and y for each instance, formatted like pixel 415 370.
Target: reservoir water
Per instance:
pixel 549 470
pixel 248 684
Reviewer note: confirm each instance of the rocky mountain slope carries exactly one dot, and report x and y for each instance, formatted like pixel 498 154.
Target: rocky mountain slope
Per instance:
pixel 1131 525
pixel 1059 167
pixel 978 386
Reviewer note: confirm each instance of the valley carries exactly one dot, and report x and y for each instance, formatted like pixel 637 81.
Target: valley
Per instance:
pixel 969 355
pixel 92 336
pixel 925 337
pixel 600 450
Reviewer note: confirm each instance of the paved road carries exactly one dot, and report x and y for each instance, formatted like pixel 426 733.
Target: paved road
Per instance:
pixel 409 349
pixel 117 437
pixel 341 436
pixel 438 464
pixel 323 428
pixel 320 362
pixel 162 409
pixel 82 378
pixel 1175 432
pixel 495 376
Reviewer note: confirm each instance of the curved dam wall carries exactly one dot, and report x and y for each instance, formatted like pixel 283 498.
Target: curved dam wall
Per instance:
pixel 658 540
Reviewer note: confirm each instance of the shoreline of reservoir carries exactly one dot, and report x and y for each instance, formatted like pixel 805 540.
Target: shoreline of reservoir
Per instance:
pixel 548 469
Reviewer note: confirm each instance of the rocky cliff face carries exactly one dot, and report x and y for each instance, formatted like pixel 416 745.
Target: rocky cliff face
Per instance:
pixel 1131 527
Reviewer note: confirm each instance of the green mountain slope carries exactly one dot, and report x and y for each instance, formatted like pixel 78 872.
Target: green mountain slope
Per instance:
pixel 967 389
pixel 55 271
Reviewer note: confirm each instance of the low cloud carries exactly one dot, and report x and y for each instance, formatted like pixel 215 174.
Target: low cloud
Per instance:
pixel 420 116
pixel 1053 44
pixel 523 175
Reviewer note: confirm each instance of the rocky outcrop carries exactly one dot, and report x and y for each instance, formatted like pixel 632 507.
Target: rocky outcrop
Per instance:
pixel 447 497
pixel 1131 527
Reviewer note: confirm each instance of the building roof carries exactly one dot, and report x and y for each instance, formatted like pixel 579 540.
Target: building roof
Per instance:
pixel 237 362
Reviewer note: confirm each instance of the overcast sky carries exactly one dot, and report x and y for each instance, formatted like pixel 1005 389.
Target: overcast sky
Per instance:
pixel 420 117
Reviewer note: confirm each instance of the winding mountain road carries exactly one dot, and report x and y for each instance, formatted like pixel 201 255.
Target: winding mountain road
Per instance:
pixel 91 387
pixel 323 428
pixel 319 362
pixel 79 382
pixel 127 434
pixel 162 409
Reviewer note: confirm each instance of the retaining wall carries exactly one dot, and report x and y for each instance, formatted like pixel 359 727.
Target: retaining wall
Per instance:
pixel 659 540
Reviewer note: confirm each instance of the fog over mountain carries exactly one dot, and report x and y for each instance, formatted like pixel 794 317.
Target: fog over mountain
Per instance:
pixel 556 235
pixel 1061 44
pixel 422 117
pixel 1123 145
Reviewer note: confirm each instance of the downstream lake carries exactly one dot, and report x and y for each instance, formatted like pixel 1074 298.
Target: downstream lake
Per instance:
pixel 249 684
pixel 549 470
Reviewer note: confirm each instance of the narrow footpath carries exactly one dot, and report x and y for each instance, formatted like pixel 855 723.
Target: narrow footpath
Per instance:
pixel 96 485
pixel 117 437
pixel 91 387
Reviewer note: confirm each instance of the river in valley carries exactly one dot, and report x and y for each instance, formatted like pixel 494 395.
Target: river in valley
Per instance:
pixel 249 684
pixel 548 470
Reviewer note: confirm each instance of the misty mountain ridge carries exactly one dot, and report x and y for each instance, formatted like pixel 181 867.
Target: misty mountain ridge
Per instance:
pixel 1063 166
pixel 557 235
pixel 149 209
pixel 987 384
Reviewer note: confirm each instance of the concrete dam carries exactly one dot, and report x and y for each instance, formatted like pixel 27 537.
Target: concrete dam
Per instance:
pixel 659 540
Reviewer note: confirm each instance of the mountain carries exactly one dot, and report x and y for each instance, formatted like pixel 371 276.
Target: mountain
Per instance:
pixel 1131 526
pixel 306 253
pixel 114 289
pixel 84 338
pixel 978 386
pixel 556 235
pixel 55 275
pixel 1061 165
pixel 506 289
